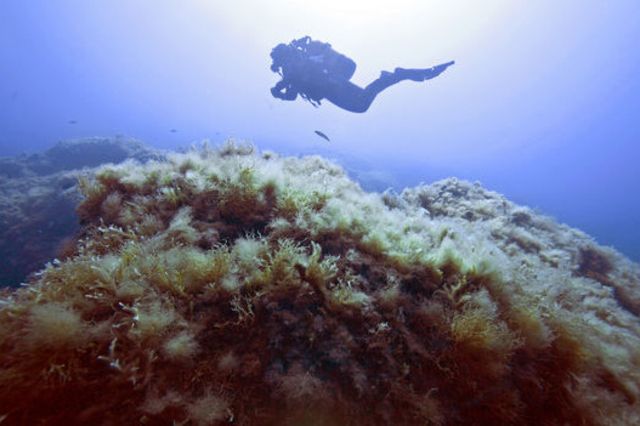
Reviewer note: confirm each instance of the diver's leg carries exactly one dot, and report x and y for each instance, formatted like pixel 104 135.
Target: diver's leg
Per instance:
pixel 385 80
pixel 388 79
pixel 364 97
pixel 353 98
pixel 348 96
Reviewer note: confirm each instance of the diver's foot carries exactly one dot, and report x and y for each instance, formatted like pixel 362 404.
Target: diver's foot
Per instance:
pixel 422 74
pixel 409 74
pixel 438 69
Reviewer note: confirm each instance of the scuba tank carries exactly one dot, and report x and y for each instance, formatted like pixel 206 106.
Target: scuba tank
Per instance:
pixel 328 61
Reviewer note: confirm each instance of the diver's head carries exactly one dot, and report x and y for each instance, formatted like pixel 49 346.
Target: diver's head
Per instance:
pixel 280 55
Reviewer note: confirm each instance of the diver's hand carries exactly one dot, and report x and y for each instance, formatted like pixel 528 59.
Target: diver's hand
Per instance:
pixel 284 91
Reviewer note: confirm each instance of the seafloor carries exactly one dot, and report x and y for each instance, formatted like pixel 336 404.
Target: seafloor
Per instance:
pixel 230 286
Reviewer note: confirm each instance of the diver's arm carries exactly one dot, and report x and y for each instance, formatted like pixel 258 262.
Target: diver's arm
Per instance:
pixel 284 91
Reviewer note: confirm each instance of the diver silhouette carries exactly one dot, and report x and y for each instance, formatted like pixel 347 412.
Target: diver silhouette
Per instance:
pixel 313 70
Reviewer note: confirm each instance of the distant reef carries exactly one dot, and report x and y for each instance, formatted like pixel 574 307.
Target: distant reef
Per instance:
pixel 39 195
pixel 231 286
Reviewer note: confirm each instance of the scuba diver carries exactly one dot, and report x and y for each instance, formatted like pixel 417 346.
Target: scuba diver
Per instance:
pixel 313 70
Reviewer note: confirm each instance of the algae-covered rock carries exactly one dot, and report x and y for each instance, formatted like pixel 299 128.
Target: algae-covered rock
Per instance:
pixel 233 287
pixel 76 154
pixel 39 195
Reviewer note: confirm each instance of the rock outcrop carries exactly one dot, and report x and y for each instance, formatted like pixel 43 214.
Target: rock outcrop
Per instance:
pixel 233 287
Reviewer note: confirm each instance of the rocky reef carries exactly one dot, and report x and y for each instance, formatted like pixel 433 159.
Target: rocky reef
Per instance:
pixel 230 286
pixel 39 195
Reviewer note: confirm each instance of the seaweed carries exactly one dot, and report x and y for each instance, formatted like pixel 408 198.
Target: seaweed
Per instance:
pixel 237 291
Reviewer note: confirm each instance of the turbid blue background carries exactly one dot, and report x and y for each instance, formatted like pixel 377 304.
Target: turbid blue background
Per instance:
pixel 543 104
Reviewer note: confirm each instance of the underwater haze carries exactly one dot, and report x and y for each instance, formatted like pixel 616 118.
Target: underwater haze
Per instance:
pixel 542 104
pixel 285 213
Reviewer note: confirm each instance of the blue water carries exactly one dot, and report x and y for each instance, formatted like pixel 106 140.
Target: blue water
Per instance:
pixel 542 104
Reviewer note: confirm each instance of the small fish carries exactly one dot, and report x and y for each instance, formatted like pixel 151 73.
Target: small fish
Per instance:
pixel 72 122
pixel 173 130
pixel 322 135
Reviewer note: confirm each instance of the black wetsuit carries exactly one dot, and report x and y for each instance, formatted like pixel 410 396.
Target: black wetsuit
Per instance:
pixel 315 71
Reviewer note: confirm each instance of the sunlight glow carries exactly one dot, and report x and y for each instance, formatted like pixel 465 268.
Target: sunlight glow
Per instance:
pixel 378 30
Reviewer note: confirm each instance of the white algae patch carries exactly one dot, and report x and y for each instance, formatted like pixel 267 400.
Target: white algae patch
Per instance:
pixel 232 286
